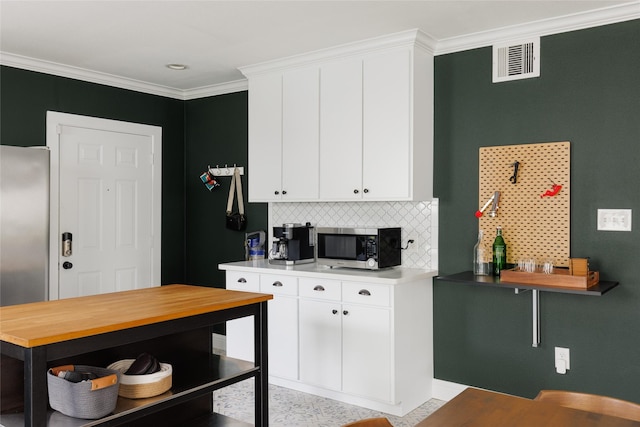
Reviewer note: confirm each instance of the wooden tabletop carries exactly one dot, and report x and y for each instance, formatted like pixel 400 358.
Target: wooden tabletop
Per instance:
pixel 481 408
pixel 41 323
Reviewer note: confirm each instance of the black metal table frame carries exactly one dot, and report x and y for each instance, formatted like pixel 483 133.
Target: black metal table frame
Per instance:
pixel 36 358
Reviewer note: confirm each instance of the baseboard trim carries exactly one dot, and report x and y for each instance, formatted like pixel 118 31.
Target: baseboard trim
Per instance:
pixel 446 390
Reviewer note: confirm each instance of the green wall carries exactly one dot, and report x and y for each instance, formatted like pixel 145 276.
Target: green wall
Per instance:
pixel 217 132
pixel 26 96
pixel 588 93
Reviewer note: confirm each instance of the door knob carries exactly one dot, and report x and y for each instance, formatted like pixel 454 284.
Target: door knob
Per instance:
pixel 67 265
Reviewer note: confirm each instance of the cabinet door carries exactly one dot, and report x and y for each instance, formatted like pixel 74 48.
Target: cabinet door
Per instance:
pixel 300 134
pixel 341 130
pixel 320 343
pixel 386 126
pixel 283 324
pixel 240 331
pixel 366 355
pixel 283 337
pixel 265 138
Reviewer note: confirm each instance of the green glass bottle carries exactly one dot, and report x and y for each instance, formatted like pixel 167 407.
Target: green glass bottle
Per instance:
pixel 499 253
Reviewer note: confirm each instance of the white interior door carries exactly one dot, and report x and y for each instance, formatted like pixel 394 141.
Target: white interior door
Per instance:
pixel 108 201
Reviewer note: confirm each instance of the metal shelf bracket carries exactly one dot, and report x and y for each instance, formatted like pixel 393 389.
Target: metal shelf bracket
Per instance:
pixel 535 313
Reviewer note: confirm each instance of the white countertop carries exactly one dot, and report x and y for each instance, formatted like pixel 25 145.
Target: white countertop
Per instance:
pixel 389 276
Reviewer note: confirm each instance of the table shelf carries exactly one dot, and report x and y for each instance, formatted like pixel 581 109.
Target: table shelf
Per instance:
pixel 468 278
pixel 227 371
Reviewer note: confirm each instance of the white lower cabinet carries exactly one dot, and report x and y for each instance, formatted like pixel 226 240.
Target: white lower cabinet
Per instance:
pixel 368 344
pixel 345 346
pixel 240 331
pixel 366 352
pixel 321 333
pixel 283 324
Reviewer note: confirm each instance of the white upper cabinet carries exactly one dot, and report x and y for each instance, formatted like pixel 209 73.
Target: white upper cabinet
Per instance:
pixel 265 137
pixel 300 134
pixel 386 154
pixel 356 123
pixel 284 136
pixel 341 130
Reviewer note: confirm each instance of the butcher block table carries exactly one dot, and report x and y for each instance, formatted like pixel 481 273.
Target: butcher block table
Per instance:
pixel 173 322
pixel 481 408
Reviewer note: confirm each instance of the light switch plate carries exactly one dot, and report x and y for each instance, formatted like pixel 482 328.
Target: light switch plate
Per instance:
pixel 614 219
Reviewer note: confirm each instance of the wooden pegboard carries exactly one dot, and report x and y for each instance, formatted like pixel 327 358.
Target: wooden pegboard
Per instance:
pixel 533 226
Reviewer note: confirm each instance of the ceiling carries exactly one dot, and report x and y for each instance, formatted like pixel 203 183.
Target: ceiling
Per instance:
pixel 129 43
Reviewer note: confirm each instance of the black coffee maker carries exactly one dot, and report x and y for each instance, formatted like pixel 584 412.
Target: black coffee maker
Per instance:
pixel 293 244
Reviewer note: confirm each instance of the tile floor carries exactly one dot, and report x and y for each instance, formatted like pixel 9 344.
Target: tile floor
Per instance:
pixel 290 408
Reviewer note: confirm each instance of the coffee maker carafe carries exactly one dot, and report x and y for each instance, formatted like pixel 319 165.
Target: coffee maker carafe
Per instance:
pixel 293 244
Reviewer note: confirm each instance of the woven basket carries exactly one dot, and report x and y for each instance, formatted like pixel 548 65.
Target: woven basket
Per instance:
pixel 89 399
pixel 141 386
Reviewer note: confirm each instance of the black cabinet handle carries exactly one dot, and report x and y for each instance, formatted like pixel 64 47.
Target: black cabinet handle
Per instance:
pixel 67 265
pixel 366 190
pixel 242 280
pixel 319 288
pixel 276 192
pixel 334 311
pixel 364 292
pixel 345 312
pixel 284 192
pixel 355 191
pixel 277 283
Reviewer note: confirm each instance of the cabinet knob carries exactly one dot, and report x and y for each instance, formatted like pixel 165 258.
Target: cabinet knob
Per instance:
pixel 364 292
pixel 334 311
pixel 242 280
pixel 284 192
pixel 366 190
pixel 356 191
pixel 277 283
pixel 319 288
pixel 276 192
pixel 345 312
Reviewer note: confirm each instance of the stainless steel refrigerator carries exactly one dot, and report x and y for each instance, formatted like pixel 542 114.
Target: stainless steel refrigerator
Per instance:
pixel 24 224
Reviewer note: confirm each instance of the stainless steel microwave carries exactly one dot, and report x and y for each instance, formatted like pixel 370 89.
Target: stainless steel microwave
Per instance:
pixel 367 248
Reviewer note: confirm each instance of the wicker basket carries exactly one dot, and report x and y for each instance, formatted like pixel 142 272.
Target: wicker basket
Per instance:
pixel 90 399
pixel 141 386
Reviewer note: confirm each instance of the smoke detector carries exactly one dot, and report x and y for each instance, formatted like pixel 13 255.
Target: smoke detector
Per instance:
pixel 516 60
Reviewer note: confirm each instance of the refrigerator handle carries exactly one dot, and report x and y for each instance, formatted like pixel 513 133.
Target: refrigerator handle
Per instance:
pixel 66 244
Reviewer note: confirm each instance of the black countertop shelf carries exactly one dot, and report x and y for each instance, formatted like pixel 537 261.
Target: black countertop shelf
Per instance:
pixel 469 278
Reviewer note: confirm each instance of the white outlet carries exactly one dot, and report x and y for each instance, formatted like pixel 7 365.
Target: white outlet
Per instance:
pixel 614 219
pixel 563 360
pixel 411 247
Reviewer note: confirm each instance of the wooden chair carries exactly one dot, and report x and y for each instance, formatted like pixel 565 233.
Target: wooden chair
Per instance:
pixel 592 402
pixel 370 422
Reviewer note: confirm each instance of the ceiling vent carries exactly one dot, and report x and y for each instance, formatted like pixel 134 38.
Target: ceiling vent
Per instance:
pixel 516 60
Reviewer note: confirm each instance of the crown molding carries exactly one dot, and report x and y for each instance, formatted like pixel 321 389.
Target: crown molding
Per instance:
pixel 48 67
pixel 213 90
pixel 545 27
pixel 610 15
pixel 413 37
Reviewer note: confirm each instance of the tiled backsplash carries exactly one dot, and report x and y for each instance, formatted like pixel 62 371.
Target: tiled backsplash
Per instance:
pixel 419 222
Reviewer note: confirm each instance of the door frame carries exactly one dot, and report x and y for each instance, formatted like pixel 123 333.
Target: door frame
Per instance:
pixel 54 122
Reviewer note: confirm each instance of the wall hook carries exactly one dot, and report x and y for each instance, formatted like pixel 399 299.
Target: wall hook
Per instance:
pixel 225 171
pixel 555 189
pixel 514 177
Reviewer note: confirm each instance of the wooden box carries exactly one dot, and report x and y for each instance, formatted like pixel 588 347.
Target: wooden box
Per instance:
pixel 559 278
